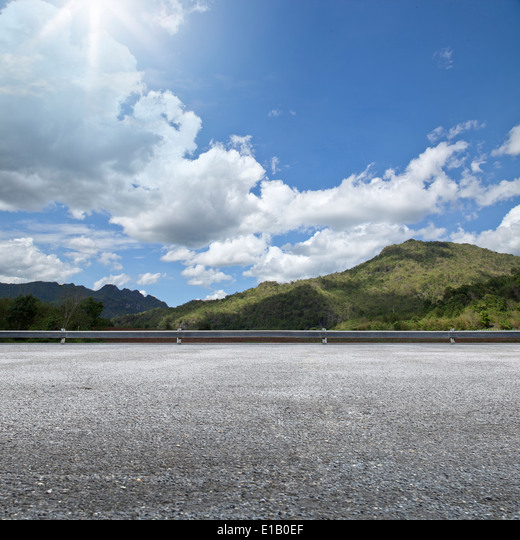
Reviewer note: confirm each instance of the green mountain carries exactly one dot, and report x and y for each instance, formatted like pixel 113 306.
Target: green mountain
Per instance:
pixel 116 302
pixel 414 285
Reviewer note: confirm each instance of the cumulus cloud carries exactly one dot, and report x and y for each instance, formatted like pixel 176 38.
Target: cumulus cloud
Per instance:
pixel 61 136
pixel 81 243
pixel 149 278
pixel 111 259
pixel 327 251
pixel 472 188
pixel 177 253
pixel 241 251
pixel 422 189
pixel 512 145
pixel 192 202
pixel 505 238
pixel 217 295
pixel 204 277
pixel 118 280
pixel 21 261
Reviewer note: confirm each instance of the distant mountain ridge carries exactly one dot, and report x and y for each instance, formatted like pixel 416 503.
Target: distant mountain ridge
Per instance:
pixel 116 302
pixel 413 285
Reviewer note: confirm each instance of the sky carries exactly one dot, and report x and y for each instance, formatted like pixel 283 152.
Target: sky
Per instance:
pixel 191 149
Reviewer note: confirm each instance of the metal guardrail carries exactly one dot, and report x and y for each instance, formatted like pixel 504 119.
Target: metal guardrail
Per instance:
pixel 323 335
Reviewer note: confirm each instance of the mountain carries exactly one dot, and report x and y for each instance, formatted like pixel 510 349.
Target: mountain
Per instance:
pixel 414 285
pixel 116 302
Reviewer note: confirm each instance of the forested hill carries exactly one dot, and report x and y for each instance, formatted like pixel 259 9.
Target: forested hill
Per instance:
pixel 116 302
pixel 414 285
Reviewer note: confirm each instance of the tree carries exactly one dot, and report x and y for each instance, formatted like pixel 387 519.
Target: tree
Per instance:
pixel 5 304
pixel 90 312
pixel 22 312
pixel 68 308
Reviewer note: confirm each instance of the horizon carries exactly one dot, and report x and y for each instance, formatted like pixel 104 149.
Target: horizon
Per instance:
pixel 191 149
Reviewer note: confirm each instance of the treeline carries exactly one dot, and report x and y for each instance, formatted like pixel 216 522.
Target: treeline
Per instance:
pixel 493 303
pixel 26 312
pixel 300 308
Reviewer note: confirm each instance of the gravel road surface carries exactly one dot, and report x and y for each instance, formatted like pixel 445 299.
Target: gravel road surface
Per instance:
pixel 259 431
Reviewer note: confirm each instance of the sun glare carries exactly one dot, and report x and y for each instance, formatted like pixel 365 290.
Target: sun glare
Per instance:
pixel 94 8
pixel 118 18
pixel 101 16
pixel 96 15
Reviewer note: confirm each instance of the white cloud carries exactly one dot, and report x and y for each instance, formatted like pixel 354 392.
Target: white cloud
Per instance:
pixel 82 243
pixel 512 145
pixel 217 295
pixel 242 143
pixel 327 251
pixel 275 162
pixel 119 281
pixel 441 133
pixel 171 14
pixel 192 202
pixel 431 232
pixel 476 163
pixel 240 251
pixel 64 110
pixel 22 261
pixel 176 254
pixel 437 134
pixel 204 277
pixel 504 239
pixel 422 189
pixel 111 259
pixel 149 278
pixel 472 188
pixel 444 58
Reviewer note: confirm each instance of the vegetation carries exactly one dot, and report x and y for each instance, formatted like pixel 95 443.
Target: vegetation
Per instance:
pixel 493 303
pixel 414 285
pixel 411 286
pixel 26 312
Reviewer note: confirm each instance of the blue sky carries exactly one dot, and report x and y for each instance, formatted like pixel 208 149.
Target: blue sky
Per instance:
pixel 194 148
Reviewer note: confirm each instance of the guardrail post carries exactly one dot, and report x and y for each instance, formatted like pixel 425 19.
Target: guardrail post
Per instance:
pixel 452 338
pixel 179 340
pixel 324 339
pixel 63 338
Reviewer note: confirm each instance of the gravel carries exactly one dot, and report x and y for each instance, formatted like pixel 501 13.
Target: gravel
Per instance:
pixel 259 431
